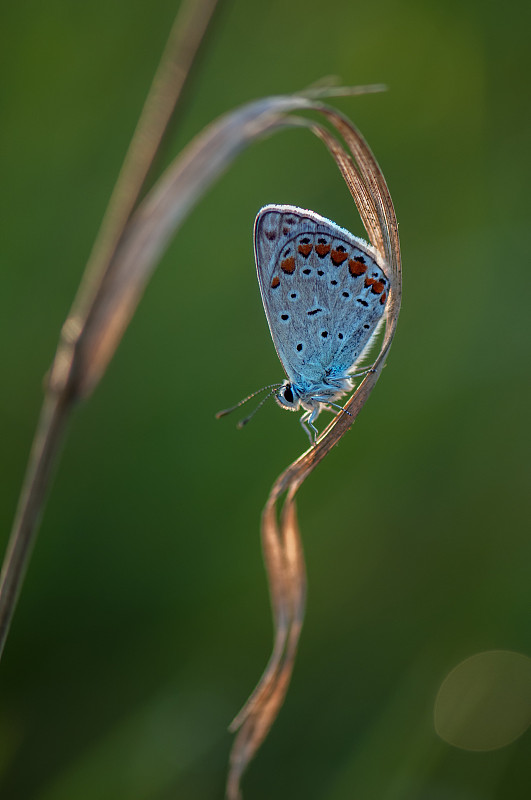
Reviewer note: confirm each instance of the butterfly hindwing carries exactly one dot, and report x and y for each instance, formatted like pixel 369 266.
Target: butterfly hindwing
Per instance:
pixel 323 289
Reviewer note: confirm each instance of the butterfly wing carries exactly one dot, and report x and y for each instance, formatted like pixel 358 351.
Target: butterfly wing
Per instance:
pixel 324 291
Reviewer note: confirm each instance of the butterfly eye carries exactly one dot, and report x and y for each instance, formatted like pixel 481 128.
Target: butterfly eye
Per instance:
pixel 288 394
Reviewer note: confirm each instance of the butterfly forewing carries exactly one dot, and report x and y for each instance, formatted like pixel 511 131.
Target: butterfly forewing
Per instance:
pixel 323 290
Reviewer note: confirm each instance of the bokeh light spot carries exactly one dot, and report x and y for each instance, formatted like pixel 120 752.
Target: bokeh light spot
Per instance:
pixel 485 702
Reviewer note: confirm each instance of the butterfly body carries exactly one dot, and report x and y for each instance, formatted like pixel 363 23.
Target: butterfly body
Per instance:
pixel 324 293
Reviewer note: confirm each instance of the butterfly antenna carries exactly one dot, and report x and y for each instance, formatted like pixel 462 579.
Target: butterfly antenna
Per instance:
pixel 243 422
pixel 226 411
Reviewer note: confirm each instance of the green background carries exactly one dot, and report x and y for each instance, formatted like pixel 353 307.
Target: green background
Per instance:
pixel 144 621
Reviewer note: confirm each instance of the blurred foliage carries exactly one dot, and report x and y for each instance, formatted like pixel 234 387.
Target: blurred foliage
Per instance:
pixel 144 621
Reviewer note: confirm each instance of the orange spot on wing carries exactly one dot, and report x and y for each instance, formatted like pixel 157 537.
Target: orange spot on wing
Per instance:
pixel 322 249
pixel 383 298
pixel 369 282
pixel 288 266
pixel 356 268
pixel 275 282
pixel 377 287
pixel 305 249
pixel 338 257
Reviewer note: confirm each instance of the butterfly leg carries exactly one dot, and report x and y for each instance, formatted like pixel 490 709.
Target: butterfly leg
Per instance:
pixel 334 405
pixel 364 371
pixel 307 419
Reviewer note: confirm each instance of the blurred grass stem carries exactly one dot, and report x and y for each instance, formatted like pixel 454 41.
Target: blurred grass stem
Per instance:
pixel 63 386
pixel 46 445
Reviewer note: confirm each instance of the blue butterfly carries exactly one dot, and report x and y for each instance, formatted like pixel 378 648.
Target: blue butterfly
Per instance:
pixel 324 293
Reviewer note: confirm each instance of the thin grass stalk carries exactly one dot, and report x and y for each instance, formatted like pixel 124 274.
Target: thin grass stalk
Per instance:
pixel 176 63
pixel 61 391
pixel 373 201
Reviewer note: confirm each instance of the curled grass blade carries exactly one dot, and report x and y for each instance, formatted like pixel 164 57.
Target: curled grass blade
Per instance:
pixel 282 546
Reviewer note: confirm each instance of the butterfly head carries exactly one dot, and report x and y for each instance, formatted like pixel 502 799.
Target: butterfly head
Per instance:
pixel 287 397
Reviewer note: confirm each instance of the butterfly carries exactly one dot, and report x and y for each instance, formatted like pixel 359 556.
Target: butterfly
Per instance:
pixel 324 293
